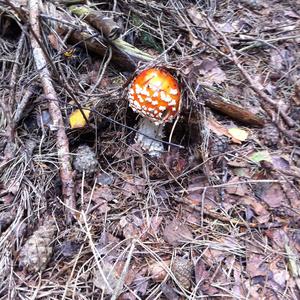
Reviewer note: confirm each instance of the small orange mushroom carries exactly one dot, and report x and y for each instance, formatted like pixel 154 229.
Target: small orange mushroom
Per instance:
pixel 155 94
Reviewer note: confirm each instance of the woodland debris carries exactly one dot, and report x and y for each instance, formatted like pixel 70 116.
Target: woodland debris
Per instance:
pixel 177 233
pixel 85 160
pixel 270 135
pixel 37 250
pixel 110 30
pixel 104 24
pixel 241 215
pixel 54 109
pixel 168 291
pixel 6 218
pixel 158 270
pixel 233 111
pixel 77 119
pixel 182 269
pixel 111 278
pixel 253 84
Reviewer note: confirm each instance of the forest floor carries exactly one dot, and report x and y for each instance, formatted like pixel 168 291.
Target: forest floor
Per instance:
pixel 86 213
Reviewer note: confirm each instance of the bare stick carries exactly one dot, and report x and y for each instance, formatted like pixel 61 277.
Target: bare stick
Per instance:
pixel 56 115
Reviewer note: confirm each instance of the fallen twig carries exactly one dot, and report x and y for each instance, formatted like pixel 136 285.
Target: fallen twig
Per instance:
pixel 56 115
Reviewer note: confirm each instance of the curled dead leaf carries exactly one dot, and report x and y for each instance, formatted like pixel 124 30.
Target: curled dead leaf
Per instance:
pixel 177 233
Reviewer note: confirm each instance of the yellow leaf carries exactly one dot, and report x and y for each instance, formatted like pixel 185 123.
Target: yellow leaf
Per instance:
pixel 238 134
pixel 77 119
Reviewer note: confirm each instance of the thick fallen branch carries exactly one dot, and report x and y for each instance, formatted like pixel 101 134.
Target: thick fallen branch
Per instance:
pixel 110 29
pixel 235 112
pixel 56 115
pixel 124 55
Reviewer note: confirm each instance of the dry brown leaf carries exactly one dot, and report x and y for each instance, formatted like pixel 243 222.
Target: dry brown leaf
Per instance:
pixel 130 274
pixel 201 274
pixel 239 189
pixel 256 265
pixel 280 274
pixel 101 193
pixel 158 270
pixel 211 72
pixel 273 195
pixel 53 41
pixel 213 256
pixel 238 134
pixel 216 127
pixel 134 186
pixel 168 291
pixel 219 130
pixel 196 17
pixel 107 244
pixel 154 225
pixel 110 275
pixel 177 233
pixel 263 215
pixel 131 226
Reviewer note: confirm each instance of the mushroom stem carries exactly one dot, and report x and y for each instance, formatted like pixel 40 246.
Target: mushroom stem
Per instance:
pixel 148 130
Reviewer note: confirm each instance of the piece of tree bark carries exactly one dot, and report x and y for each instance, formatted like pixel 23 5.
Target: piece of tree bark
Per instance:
pixel 62 142
pixel 124 55
pixel 234 111
pixel 119 58
pixel 110 29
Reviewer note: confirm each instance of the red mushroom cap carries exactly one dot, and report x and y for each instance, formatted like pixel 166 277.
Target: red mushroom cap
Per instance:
pixel 155 94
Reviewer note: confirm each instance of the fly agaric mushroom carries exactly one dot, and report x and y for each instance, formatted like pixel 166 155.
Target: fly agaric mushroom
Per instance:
pixel 155 95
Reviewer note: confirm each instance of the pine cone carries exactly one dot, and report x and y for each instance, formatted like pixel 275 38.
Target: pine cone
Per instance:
pixel 37 250
pixel 182 269
pixel 270 135
pixel 218 145
pixel 85 160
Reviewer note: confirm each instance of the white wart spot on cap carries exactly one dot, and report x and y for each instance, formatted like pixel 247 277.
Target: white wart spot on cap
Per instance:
pixel 140 98
pixel 172 103
pixel 136 103
pixel 168 99
pixel 138 89
pixel 173 91
pixel 145 92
